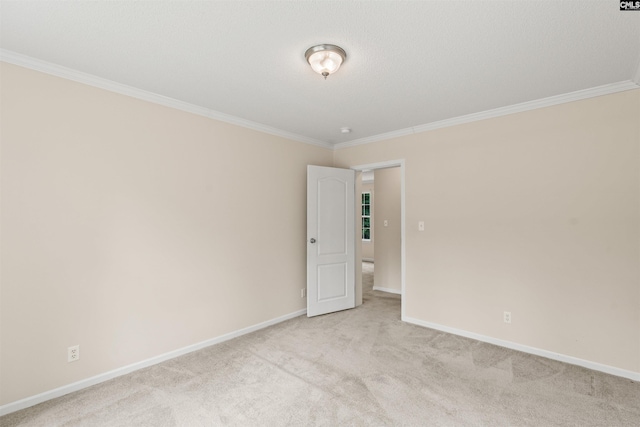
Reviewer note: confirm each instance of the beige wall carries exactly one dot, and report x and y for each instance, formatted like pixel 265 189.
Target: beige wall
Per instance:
pixel 128 228
pixel 536 213
pixel 368 247
pixel 388 239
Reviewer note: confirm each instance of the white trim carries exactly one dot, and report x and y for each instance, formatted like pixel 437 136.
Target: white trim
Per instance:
pixel 367 216
pixel 403 267
pixel 502 111
pixel 380 165
pixel 389 290
pixel 367 259
pixel 635 376
pixel 79 385
pixel 95 81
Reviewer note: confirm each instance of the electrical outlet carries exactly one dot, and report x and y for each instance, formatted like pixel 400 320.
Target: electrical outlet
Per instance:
pixel 420 225
pixel 73 353
pixel 303 292
pixel 507 317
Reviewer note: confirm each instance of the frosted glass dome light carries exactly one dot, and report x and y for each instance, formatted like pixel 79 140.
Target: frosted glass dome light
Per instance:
pixel 325 59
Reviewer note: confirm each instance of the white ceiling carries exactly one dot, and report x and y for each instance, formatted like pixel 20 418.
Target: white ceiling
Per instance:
pixel 409 63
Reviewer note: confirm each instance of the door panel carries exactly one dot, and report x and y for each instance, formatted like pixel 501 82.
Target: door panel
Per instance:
pixel 334 280
pixel 331 220
pixel 330 240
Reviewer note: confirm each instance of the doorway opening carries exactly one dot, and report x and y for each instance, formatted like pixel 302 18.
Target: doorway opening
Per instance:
pixel 386 234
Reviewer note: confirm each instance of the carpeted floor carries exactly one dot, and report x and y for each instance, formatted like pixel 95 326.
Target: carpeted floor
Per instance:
pixel 356 367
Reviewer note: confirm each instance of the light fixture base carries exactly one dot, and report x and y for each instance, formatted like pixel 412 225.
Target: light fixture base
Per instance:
pixel 325 59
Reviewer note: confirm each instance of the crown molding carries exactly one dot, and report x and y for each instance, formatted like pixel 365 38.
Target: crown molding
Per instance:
pixel 99 82
pixel 498 112
pixel 91 80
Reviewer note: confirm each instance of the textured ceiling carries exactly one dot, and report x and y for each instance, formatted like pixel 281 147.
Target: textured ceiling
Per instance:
pixel 409 63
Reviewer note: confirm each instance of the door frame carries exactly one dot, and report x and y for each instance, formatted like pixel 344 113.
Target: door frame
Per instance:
pixel 385 165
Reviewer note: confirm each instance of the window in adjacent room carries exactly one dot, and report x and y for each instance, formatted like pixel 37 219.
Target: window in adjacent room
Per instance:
pixel 366 216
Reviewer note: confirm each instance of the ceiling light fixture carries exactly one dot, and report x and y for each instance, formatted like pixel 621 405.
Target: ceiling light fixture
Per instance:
pixel 325 59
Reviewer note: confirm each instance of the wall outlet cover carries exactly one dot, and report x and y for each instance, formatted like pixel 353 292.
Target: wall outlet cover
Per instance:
pixel 73 353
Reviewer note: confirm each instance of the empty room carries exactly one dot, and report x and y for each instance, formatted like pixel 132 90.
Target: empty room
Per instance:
pixel 188 190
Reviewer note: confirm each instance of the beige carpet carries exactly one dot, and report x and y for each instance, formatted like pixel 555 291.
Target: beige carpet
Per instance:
pixel 357 367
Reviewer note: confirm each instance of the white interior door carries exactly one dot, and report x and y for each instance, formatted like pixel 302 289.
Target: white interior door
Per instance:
pixel 330 240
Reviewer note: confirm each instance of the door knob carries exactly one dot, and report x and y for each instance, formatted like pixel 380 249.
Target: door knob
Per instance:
pixel 312 240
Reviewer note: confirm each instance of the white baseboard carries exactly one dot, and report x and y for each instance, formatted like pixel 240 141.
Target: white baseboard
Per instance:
pixel 367 259
pixel 79 385
pixel 635 376
pixel 391 291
